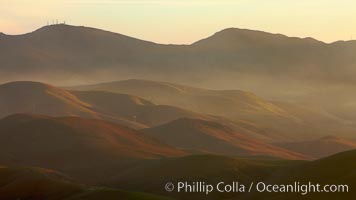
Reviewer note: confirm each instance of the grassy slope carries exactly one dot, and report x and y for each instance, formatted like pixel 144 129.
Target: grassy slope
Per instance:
pixel 322 147
pixel 113 194
pixel 94 148
pixel 336 169
pixel 134 108
pixel 215 138
pixel 43 184
pixel 35 183
pixel 44 99
pixel 152 176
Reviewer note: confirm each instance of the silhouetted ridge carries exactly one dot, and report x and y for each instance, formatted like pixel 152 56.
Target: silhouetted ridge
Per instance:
pixel 65 32
pixel 245 38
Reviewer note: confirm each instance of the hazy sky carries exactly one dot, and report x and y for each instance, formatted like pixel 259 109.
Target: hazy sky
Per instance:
pixel 183 21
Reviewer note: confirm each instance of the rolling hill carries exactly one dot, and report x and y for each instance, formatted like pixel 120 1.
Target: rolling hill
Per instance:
pixel 134 108
pixel 255 119
pixel 207 101
pixel 199 136
pixel 336 169
pixel 34 97
pixel 150 176
pixel 322 147
pixel 153 175
pixel 280 121
pixel 44 99
pixel 44 184
pixel 35 183
pixel 128 110
pixel 76 146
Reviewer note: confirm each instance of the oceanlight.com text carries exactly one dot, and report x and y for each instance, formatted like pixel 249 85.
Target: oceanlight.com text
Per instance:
pixel 237 187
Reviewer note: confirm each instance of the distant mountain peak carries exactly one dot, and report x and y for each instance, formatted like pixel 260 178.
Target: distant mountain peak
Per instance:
pixel 242 30
pixel 91 34
pixel 32 85
pixel 233 36
pixel 23 117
